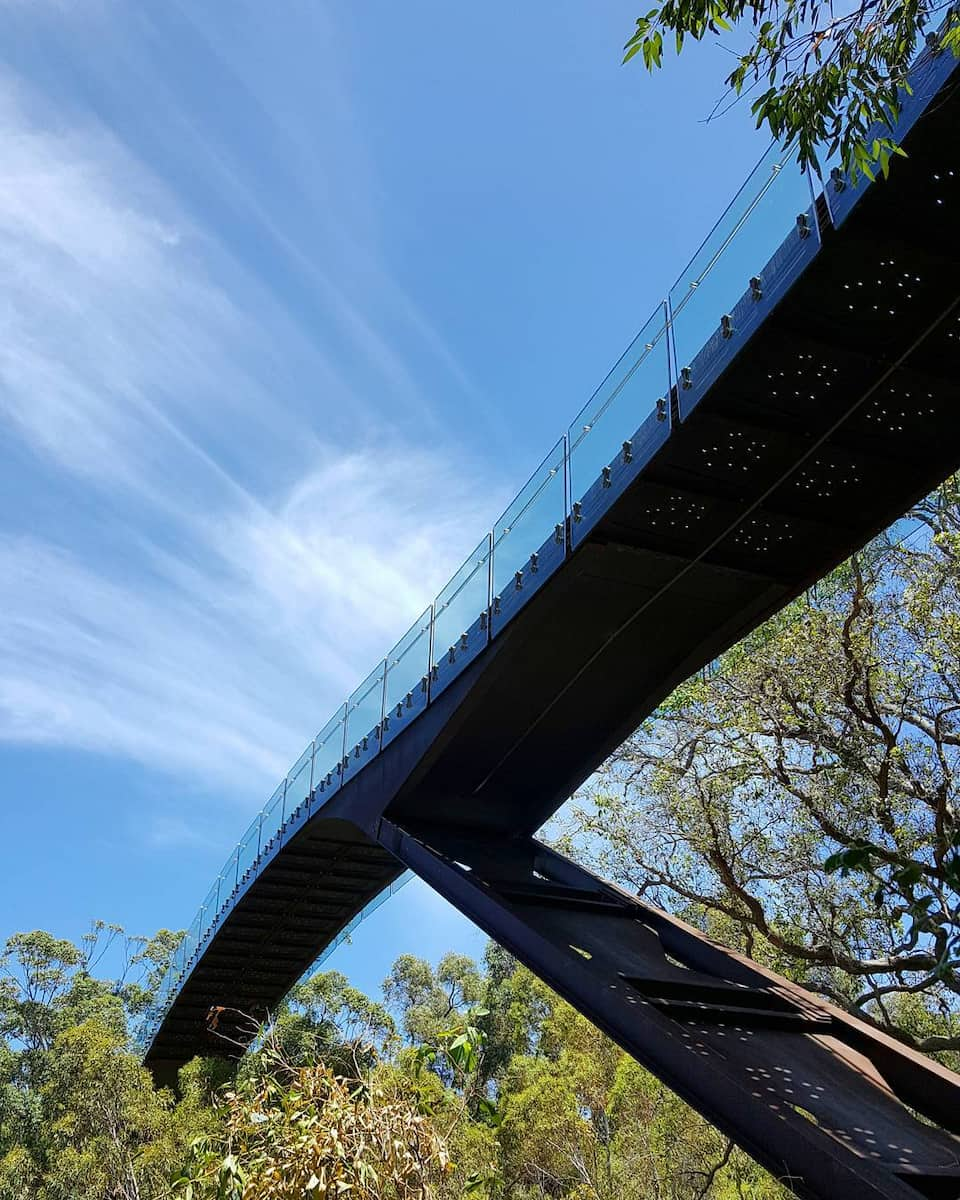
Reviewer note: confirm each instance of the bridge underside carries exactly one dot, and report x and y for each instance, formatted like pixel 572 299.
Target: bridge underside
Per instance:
pixel 842 411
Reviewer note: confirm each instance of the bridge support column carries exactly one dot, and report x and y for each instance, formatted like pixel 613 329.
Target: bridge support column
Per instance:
pixel 825 1102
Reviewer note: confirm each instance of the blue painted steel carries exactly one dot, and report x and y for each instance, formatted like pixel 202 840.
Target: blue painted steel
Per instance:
pixel 927 76
pixel 613 438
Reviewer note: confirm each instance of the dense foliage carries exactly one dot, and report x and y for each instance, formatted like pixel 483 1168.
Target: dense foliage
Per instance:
pixel 480 1082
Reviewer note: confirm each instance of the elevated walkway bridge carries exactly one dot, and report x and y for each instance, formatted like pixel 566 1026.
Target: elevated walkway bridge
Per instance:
pixel 797 391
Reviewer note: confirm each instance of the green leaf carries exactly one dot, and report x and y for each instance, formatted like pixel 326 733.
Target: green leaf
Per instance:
pixel 489 1113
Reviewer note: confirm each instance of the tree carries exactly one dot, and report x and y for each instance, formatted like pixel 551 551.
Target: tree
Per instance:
pixel 823 76
pixel 802 803
pixel 107 1127
pixel 305 1131
pixel 429 999
pixel 79 1115
pixel 325 1019
pixel 498 1090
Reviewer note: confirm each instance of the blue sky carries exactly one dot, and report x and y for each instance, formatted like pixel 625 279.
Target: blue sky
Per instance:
pixel 295 298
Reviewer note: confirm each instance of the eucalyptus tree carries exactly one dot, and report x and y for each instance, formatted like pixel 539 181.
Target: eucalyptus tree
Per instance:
pixel 803 801
pixel 813 71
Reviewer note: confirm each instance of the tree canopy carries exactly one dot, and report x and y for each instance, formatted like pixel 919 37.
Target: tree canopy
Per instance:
pixel 801 801
pixel 471 1079
pixel 827 78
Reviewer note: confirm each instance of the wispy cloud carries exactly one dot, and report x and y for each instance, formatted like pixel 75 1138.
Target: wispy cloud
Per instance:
pixel 209 575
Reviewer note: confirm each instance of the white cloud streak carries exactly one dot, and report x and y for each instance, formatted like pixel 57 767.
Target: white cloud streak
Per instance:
pixel 227 574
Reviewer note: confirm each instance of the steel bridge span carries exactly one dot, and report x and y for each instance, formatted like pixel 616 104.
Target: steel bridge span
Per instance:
pixel 797 392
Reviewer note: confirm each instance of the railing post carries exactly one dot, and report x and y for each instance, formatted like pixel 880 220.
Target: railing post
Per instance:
pixel 383 703
pixel 343 738
pixel 491 542
pixel 673 369
pixel 567 498
pixel 430 649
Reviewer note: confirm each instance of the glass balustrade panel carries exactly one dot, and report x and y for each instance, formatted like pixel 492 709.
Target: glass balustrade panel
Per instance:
pixel 463 604
pixel 209 910
pixel 272 820
pixel 364 714
pixel 529 537
pixel 408 665
pixel 627 415
pixel 230 875
pixel 298 783
pixel 772 212
pixel 248 851
pixel 328 757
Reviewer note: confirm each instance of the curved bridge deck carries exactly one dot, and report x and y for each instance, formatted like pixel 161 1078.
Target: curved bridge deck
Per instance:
pixel 799 390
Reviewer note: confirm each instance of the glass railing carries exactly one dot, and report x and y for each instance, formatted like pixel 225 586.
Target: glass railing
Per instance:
pixel 758 248
pixel 300 783
pixel 461 619
pixel 621 426
pixel 328 752
pixel 408 677
pixel 272 819
pixel 248 852
pixel 364 717
pixel 753 254
pixel 529 539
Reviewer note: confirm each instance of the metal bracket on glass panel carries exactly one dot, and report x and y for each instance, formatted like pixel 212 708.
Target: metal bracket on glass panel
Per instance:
pixel 459 655
pixel 526 581
pixel 779 274
pixel 460 627
pixel 621 427
pixel 528 538
pixel 616 477
pixel 360 753
pixel 405 684
pixel 828 1104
